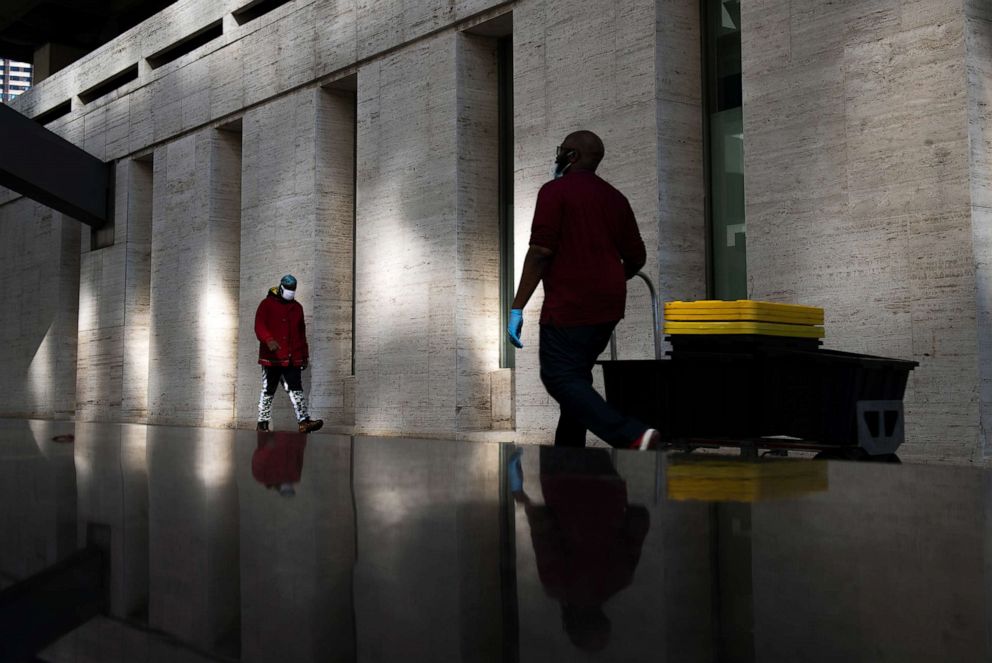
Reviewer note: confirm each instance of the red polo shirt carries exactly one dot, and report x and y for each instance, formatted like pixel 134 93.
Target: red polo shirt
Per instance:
pixel 590 228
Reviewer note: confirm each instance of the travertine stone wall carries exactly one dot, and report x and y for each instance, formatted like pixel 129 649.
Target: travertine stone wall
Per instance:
pixel 112 363
pixel 867 160
pixel 195 272
pixel 859 195
pixel 406 243
pixel 297 218
pixel 978 41
pixel 40 266
pixel 427 260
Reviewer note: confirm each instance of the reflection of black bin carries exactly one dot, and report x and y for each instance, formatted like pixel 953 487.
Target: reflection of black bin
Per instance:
pixel 726 390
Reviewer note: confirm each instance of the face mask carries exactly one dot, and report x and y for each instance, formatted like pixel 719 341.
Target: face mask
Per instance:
pixel 288 295
pixel 561 164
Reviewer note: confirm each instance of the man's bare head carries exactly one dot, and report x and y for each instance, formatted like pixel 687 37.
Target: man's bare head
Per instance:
pixel 588 149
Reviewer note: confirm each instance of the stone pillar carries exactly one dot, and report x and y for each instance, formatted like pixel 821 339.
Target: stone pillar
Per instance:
pixel 38 340
pixel 406 250
pixel 195 278
pixel 978 42
pixel 39 491
pixel 298 214
pixel 640 92
pixel 112 490
pixel 112 363
pixel 193 541
pixel 297 553
pixel 419 536
pixel 858 192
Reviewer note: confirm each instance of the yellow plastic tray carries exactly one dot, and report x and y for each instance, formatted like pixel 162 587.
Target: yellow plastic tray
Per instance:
pixel 726 481
pixel 743 311
pixel 750 328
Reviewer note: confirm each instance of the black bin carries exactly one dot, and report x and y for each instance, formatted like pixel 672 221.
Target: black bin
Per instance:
pixel 724 390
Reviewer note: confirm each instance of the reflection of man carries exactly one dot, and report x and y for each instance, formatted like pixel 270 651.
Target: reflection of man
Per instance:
pixel 584 246
pixel 587 539
pixel 283 353
pixel 278 461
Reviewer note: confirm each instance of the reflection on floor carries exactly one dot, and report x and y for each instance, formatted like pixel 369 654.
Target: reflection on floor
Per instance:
pixel 234 545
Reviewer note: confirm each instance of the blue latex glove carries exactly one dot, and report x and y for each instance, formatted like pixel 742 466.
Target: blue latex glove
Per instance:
pixel 515 471
pixel 515 325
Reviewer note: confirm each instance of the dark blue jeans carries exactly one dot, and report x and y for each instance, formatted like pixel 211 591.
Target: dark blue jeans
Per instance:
pixel 568 355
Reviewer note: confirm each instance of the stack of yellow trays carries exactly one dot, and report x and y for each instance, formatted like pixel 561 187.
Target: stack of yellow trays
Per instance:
pixel 743 317
pixel 720 480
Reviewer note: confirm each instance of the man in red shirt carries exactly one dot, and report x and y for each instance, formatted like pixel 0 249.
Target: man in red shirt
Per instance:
pixel 584 246
pixel 283 353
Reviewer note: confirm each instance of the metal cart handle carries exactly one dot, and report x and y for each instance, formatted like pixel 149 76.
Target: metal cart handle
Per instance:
pixel 654 317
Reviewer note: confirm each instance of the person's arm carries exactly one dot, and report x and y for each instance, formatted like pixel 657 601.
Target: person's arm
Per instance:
pixel 535 262
pixel 544 236
pixel 631 246
pixel 303 335
pixel 262 332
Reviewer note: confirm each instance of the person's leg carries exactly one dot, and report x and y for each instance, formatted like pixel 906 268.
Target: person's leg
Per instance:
pixel 270 380
pixel 570 431
pixel 293 380
pixel 567 356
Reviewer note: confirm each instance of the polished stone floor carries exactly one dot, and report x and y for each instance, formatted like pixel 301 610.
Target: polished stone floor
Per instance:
pixel 236 546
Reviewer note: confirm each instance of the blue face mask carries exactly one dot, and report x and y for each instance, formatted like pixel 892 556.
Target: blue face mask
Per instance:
pixel 562 163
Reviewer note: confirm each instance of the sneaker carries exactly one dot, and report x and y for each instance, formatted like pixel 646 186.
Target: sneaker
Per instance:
pixel 310 425
pixel 262 425
pixel 648 440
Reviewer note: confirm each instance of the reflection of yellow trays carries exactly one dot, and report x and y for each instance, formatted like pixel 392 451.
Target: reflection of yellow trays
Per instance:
pixel 730 481
pixel 752 328
pixel 743 311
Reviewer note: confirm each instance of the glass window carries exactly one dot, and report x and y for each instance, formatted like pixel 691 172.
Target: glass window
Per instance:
pixel 725 158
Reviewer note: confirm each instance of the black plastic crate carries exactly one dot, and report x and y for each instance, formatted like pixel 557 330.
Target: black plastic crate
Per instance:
pixel 737 343
pixel 750 391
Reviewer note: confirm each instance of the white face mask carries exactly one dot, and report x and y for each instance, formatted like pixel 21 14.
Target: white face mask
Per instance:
pixel 559 167
pixel 288 295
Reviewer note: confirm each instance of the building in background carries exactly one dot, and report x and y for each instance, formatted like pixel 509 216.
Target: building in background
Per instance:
pixel 830 154
pixel 15 79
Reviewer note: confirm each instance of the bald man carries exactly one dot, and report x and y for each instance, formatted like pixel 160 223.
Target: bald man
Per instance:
pixel 584 246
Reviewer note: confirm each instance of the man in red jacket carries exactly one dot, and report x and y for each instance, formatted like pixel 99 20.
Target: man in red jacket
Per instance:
pixel 584 246
pixel 283 353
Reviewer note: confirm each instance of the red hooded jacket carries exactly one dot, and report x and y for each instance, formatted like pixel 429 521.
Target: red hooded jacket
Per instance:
pixel 278 458
pixel 281 321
